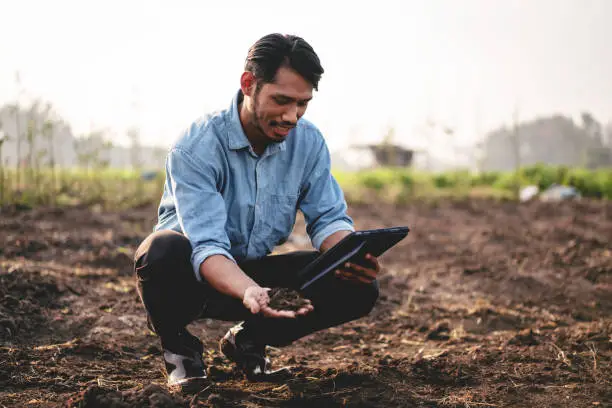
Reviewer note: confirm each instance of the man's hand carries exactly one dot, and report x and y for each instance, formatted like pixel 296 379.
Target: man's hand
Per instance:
pixel 357 273
pixel 256 299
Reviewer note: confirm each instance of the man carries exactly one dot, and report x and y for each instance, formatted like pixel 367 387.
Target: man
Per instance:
pixel 234 181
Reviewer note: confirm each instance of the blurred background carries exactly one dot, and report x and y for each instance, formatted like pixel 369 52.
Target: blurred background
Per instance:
pixel 420 95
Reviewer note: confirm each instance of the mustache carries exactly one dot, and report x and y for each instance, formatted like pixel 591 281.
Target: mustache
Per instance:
pixel 283 124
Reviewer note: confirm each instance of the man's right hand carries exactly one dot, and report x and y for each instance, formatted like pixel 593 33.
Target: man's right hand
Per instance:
pixel 256 299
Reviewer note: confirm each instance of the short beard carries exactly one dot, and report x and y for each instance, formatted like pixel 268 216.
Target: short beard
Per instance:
pixel 256 119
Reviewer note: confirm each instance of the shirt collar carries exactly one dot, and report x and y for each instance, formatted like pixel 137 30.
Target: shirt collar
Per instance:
pixel 235 134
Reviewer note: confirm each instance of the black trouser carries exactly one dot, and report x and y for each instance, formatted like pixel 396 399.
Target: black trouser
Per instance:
pixel 173 297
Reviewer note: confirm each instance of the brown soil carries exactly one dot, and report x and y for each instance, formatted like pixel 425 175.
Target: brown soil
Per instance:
pixel 286 299
pixel 485 304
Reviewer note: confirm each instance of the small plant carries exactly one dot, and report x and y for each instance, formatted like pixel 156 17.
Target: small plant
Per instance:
pixel 377 183
pixel 3 138
pixel 16 110
pixel 48 132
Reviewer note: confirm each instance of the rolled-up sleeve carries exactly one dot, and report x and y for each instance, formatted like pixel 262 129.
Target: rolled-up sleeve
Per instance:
pixel 200 208
pixel 322 200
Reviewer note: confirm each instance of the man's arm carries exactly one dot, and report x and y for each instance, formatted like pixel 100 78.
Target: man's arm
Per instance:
pixel 333 239
pixel 322 200
pixel 202 215
pixel 327 221
pixel 200 208
pixel 225 276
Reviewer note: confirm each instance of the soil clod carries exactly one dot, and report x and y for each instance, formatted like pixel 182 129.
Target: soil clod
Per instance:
pixel 286 299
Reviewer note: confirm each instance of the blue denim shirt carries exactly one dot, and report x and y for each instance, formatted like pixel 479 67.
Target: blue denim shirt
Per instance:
pixel 229 201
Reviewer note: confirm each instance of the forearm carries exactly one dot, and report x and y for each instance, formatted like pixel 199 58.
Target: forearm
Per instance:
pixel 333 239
pixel 225 276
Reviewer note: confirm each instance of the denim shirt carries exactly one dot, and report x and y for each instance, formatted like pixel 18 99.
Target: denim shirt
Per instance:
pixel 227 200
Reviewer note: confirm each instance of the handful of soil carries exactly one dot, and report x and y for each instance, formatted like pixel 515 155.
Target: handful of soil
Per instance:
pixel 286 299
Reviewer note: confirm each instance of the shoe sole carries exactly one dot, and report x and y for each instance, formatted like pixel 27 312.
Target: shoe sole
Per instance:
pixel 191 385
pixel 276 376
pixel 279 375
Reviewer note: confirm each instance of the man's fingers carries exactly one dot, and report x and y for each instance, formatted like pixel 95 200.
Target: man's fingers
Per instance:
pixel 264 296
pixel 269 312
pixel 360 270
pixel 354 274
pixel 351 277
pixel 375 262
pixel 255 298
pixel 252 305
pixel 305 310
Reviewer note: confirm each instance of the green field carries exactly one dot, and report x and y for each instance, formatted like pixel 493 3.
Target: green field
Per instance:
pixel 123 189
pixel 400 185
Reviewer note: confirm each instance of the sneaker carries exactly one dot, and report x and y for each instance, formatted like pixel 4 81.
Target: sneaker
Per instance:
pixel 183 360
pixel 250 357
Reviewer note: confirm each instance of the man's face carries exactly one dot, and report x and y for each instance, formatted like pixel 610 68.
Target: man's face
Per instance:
pixel 278 106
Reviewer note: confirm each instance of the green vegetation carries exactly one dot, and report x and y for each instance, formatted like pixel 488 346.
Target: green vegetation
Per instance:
pixel 108 188
pixel 400 185
pixel 34 176
pixel 111 188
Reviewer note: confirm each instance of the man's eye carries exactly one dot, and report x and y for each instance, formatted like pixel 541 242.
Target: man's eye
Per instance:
pixel 281 101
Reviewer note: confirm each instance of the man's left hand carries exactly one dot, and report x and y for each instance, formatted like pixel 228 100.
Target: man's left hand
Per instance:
pixel 358 273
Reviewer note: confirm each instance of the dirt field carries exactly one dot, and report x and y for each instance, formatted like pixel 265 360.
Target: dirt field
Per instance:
pixel 485 304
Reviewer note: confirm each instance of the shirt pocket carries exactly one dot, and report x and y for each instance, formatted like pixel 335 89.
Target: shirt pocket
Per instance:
pixel 279 218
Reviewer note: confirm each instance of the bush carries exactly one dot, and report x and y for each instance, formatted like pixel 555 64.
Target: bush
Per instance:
pixel 587 182
pixel 606 185
pixel 411 183
pixel 543 176
pixel 378 179
pixel 485 178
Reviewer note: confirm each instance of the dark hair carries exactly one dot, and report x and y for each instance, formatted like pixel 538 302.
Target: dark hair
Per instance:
pixel 272 51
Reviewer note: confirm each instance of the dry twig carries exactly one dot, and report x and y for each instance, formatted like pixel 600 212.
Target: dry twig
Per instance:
pixel 561 355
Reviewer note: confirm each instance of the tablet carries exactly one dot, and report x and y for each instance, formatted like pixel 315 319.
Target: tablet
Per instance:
pixel 352 248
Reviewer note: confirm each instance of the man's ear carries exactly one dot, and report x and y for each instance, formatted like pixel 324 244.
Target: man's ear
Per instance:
pixel 247 83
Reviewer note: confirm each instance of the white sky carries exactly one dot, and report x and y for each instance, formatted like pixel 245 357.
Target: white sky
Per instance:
pixel 159 64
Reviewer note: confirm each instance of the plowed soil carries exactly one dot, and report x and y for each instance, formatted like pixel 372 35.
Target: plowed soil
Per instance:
pixel 485 304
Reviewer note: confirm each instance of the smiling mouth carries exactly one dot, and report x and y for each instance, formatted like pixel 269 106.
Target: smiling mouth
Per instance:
pixel 282 130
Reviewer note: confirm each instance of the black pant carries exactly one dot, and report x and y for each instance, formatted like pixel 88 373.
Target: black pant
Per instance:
pixel 173 297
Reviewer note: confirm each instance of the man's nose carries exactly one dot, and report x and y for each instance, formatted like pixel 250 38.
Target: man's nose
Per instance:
pixel 291 114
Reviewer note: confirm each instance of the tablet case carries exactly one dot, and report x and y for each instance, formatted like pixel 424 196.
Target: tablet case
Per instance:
pixel 375 241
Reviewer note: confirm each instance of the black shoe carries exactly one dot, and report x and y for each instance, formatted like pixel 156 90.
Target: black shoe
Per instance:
pixel 183 360
pixel 250 357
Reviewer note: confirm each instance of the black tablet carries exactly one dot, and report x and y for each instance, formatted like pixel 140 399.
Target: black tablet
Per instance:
pixel 352 248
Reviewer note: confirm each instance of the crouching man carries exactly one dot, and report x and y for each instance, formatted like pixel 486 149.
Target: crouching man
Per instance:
pixel 234 182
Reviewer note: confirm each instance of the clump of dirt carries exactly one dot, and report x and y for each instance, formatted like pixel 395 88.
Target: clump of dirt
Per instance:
pixel 440 332
pixel 151 396
pixel 525 337
pixel 25 296
pixel 286 299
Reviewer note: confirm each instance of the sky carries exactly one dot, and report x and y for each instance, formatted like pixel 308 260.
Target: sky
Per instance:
pixel 463 64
